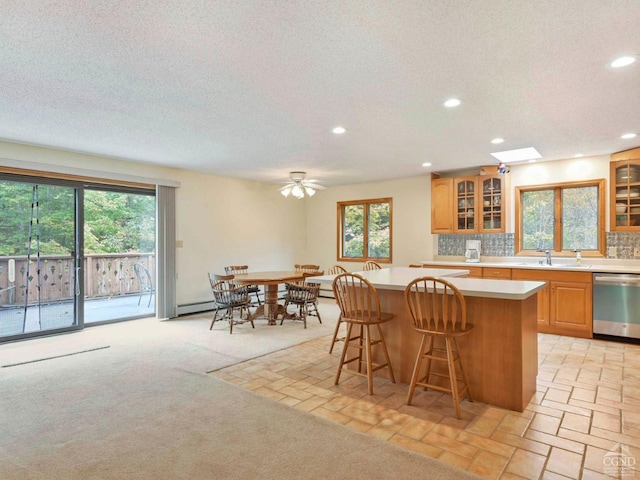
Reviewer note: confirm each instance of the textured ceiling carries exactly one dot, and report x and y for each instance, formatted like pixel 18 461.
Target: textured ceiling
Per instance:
pixel 252 89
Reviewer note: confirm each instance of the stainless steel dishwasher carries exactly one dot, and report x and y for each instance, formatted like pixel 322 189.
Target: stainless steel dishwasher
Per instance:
pixel 616 304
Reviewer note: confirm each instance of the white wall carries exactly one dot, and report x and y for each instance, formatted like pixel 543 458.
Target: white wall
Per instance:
pixel 220 220
pixel 575 169
pixel 412 239
pixel 223 221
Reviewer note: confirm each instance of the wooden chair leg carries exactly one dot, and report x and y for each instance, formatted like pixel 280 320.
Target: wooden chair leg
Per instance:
pixel 367 343
pixel 344 353
pixel 463 372
pixel 386 354
pixel 335 334
pixel 416 369
pixel 452 376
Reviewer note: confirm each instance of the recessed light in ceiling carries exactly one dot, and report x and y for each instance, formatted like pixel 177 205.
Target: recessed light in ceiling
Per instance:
pixel 426 164
pixel 339 130
pixel 578 155
pixel 509 156
pixel 452 102
pixel 628 135
pixel 623 61
pixel 495 141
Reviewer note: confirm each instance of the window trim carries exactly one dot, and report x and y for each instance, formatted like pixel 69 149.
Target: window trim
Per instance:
pixel 366 257
pixel 557 234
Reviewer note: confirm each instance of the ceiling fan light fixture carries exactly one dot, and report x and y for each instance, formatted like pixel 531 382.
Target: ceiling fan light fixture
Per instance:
pixel 297 191
pixel 286 191
pixel 299 186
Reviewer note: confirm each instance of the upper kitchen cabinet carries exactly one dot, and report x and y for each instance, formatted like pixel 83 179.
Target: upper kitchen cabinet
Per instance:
pixel 493 192
pixel 469 204
pixel 625 190
pixel 465 204
pixel 441 204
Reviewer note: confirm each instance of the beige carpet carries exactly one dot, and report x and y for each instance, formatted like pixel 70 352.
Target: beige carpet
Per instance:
pixel 132 401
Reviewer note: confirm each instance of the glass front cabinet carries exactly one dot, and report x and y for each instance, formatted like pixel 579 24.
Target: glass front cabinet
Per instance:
pixel 479 204
pixel 492 190
pixel 625 195
pixel 465 205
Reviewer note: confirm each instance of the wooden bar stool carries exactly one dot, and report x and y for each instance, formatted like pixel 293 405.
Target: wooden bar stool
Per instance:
pixel 360 307
pixel 438 310
pixel 335 270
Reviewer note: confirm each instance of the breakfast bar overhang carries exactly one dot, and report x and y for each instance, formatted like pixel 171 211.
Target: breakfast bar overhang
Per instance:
pixel 500 354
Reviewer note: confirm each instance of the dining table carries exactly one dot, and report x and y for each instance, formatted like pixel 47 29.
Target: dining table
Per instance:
pixel 270 309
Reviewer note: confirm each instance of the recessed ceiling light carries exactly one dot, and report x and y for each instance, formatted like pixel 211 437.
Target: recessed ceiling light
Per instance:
pixel 578 155
pixel 517 155
pixel 452 102
pixel 628 135
pixel 623 61
pixel 339 130
pixel 497 140
pixel 426 164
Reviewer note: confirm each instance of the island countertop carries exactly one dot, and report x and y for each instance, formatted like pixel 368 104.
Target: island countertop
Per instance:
pixel 397 278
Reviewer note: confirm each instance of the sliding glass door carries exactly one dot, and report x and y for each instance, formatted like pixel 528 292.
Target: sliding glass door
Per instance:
pixel 38 258
pixel 119 254
pixel 73 254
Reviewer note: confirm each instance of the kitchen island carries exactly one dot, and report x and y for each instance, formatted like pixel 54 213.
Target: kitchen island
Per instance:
pixel 500 354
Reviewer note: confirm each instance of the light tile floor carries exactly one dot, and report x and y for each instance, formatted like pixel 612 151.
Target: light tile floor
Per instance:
pixel 583 421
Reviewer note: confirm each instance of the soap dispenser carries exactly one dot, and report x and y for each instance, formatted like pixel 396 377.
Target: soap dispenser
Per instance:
pixel 578 257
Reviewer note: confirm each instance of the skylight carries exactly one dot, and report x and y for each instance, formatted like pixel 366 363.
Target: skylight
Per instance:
pixel 520 154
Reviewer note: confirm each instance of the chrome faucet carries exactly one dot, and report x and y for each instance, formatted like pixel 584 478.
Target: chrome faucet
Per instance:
pixel 547 253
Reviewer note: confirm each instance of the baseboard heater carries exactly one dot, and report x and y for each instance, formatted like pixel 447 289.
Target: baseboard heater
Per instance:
pixel 197 307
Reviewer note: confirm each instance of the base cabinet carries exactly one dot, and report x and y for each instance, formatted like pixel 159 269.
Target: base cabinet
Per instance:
pixel 565 304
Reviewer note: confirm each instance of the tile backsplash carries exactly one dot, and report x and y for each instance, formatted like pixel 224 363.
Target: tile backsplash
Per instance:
pixel 493 245
pixel 502 244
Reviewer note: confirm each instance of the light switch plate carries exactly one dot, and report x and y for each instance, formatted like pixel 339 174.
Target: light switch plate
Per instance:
pixel 179 244
pixel 636 252
pixel 613 252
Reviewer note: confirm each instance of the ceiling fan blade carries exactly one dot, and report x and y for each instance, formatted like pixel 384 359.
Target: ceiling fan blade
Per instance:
pixel 288 185
pixel 315 186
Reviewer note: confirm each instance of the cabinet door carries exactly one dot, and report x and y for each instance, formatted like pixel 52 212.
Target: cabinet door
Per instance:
pixel 570 308
pixel 492 194
pixel 465 201
pixel 543 310
pixel 442 205
pixel 492 272
pixel 625 195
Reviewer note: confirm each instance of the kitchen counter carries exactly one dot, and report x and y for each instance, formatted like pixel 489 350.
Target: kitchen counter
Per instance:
pixel 500 354
pixel 397 278
pixel 563 264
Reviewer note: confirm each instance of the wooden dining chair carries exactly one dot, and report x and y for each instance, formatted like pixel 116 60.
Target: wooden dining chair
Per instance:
pixel 229 297
pixel 251 289
pixel 336 270
pixel 304 295
pixel 360 310
pixel 439 312
pixel 371 265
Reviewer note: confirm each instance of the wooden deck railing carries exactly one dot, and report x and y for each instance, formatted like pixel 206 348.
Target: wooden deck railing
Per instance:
pixel 105 276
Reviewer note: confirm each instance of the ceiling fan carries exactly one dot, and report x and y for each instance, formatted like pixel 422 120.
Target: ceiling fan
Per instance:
pixel 299 186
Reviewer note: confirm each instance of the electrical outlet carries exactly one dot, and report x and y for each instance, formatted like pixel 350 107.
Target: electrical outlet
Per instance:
pixel 179 244
pixel 613 252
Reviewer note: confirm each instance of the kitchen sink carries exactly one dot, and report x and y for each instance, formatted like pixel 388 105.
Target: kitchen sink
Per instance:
pixel 557 265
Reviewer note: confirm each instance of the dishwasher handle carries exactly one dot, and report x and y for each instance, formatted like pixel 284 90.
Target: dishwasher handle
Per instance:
pixel 621 279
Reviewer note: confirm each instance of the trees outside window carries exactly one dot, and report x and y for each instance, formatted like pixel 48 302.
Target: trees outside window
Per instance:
pixel 364 230
pixel 561 217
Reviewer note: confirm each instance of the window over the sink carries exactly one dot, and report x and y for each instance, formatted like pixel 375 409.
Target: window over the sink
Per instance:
pixel 561 217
